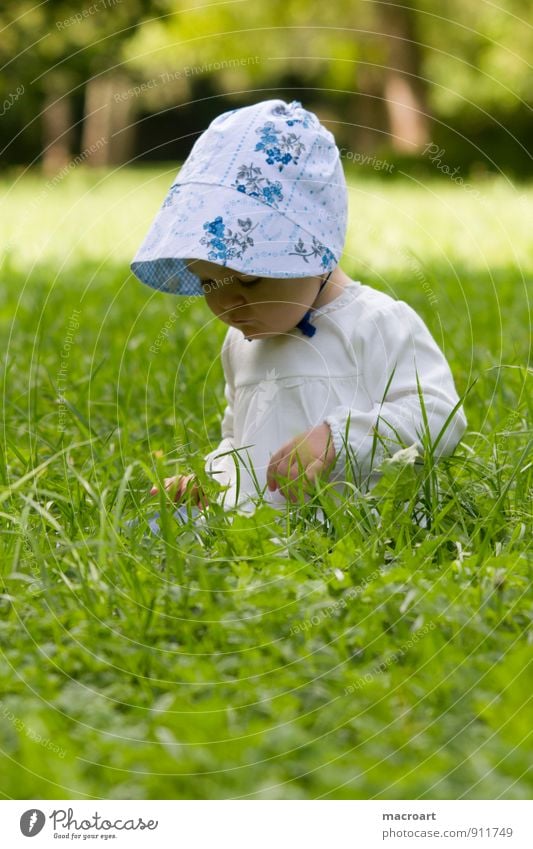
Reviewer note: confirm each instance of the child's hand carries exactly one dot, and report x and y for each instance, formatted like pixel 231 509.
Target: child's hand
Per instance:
pixel 178 485
pixel 311 453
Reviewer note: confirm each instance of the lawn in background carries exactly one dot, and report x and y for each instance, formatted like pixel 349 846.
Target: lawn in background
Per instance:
pixel 370 652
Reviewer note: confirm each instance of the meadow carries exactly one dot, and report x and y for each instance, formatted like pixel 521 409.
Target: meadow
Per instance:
pixel 373 648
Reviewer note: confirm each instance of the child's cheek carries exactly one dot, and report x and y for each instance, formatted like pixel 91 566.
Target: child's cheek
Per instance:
pixel 211 303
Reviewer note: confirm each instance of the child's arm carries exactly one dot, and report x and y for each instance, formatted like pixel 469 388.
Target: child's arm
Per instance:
pixel 391 338
pixel 220 467
pixel 396 339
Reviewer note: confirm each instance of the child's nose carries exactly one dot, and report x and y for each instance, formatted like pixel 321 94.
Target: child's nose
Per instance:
pixel 232 300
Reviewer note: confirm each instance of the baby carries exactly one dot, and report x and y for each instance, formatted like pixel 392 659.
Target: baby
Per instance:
pixel 320 370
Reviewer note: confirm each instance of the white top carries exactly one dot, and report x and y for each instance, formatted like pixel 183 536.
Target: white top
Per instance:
pixel 278 387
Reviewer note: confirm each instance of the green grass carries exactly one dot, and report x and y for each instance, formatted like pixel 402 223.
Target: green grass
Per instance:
pixel 381 651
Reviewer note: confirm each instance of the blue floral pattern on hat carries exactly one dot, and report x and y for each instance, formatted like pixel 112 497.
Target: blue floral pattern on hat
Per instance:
pixel 279 148
pixel 307 121
pixel 314 250
pixel 249 179
pixel 262 191
pixel 224 244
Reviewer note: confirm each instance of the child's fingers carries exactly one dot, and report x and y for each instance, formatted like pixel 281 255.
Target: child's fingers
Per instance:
pixel 271 472
pixel 177 487
pixel 177 481
pixel 277 475
pixel 290 484
pixel 299 480
pixel 200 498
pixel 279 466
pixel 167 482
pixel 190 485
pixel 314 470
pixel 174 480
pixel 182 484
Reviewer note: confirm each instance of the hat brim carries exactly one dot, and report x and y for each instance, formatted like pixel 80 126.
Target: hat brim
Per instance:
pixel 250 237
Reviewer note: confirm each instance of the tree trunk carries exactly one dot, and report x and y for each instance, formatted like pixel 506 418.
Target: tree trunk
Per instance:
pixel 108 134
pixel 96 132
pixel 57 120
pixel 404 91
pixel 367 113
pixel 123 139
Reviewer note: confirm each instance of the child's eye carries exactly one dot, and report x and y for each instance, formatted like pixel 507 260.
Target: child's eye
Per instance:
pixel 249 283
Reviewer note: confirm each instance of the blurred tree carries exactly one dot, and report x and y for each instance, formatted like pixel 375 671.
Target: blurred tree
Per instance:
pixel 477 54
pixel 382 73
pixel 392 64
pixel 403 88
pixel 60 51
pixel 251 50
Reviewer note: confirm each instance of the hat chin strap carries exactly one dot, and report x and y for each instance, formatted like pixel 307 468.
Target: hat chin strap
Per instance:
pixel 304 324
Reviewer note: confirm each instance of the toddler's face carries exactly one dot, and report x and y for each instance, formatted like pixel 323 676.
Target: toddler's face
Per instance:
pixel 259 306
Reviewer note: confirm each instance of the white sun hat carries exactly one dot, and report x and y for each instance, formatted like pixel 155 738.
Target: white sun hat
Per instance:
pixel 262 192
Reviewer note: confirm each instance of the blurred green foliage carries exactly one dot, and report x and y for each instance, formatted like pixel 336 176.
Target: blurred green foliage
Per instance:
pixel 468 59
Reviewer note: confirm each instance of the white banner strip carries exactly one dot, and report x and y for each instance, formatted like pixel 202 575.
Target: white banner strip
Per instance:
pixel 268 824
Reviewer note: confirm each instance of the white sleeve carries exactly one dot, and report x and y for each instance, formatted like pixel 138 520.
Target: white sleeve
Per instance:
pixel 222 468
pixel 396 340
